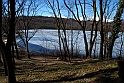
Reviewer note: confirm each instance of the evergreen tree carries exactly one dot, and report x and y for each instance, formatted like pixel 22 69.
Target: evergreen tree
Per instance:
pixel 115 28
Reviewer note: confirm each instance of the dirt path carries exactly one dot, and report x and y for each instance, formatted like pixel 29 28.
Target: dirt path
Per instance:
pixel 48 60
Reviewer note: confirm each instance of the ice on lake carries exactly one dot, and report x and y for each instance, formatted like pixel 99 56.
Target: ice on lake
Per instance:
pixel 46 41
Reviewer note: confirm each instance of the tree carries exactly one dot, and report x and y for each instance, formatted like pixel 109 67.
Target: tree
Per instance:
pixel 1 42
pixel 28 9
pixel 101 29
pixel 93 28
pixel 6 48
pixel 115 28
pixel 0 24
pixel 80 7
pixel 61 26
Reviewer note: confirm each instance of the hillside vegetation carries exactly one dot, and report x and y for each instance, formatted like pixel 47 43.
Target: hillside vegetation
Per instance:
pixel 42 22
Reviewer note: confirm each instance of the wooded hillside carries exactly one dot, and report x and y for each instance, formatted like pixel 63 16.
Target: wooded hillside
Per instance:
pixel 42 22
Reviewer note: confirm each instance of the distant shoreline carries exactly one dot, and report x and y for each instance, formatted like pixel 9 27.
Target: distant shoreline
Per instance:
pixel 44 22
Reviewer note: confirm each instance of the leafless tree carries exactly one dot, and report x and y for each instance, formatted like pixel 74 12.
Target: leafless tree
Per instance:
pixel 5 48
pixel 26 14
pixel 80 7
pixel 61 26
pixel 101 29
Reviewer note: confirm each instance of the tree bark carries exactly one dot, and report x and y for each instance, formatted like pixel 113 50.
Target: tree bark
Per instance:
pixel 2 46
pixel 17 54
pixel 101 31
pixel 94 28
pixel 2 49
pixel 121 71
pixel 110 47
pixel 27 50
pixel 8 55
pixel 10 65
pixel 6 48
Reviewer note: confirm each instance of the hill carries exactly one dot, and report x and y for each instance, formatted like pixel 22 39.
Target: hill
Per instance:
pixel 44 22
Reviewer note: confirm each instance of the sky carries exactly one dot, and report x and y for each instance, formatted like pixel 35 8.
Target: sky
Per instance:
pixel 46 10
pixel 43 9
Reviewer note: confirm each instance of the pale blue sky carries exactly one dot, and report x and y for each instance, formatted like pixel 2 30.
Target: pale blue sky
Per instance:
pixel 45 11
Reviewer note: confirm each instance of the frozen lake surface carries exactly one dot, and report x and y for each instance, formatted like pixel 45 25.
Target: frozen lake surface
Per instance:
pixel 46 41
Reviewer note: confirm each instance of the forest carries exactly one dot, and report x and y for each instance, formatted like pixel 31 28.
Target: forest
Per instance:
pixel 50 41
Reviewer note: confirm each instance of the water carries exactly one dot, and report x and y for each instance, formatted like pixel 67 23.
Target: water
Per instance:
pixel 46 41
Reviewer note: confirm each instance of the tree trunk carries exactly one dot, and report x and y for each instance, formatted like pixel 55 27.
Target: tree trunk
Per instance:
pixel 7 52
pixel 4 59
pixel 121 71
pixel 86 45
pixel 60 47
pixel 6 49
pixel 110 47
pixel 2 46
pixel 15 45
pixel 10 65
pixel 81 23
pixel 105 40
pixel 94 28
pixel 0 59
pixel 17 54
pixel 101 31
pixel 27 50
pixel 115 27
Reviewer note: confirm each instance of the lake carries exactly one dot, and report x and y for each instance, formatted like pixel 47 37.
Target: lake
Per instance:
pixel 46 41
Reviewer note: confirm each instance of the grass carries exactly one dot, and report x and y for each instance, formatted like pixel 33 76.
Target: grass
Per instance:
pixel 85 71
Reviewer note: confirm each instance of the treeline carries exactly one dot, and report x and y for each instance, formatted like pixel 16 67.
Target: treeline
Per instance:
pixel 44 22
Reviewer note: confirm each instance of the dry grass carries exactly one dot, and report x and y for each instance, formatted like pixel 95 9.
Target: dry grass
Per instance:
pixel 55 71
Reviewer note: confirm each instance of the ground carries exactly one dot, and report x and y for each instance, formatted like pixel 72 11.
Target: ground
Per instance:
pixel 41 69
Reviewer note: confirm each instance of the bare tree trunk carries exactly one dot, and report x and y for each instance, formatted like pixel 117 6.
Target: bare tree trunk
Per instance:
pixel 110 48
pixel 2 48
pixel 15 46
pixel 16 49
pixel 27 49
pixel 94 28
pixel 1 42
pixel 0 59
pixel 10 65
pixel 60 47
pixel 86 45
pixel 7 49
pixel 101 29
pixel 11 72
pixel 105 38
pixel 82 24
pixel 12 52
pixel 61 24
pixel 122 43
pixel 121 71
pixel 28 8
